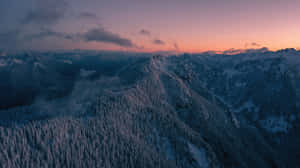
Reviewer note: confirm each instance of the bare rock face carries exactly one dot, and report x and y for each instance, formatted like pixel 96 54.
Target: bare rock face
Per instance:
pixel 90 110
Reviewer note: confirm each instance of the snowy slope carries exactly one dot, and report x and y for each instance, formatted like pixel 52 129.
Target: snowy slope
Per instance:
pixel 95 109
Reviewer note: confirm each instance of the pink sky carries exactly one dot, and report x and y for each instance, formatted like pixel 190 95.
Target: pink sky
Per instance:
pixel 193 25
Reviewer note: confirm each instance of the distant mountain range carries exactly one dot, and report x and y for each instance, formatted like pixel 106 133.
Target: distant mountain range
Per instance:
pixel 102 109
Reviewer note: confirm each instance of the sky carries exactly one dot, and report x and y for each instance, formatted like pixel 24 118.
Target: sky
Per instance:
pixel 149 25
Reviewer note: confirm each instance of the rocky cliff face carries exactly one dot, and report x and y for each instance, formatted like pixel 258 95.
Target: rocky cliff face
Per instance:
pixel 177 111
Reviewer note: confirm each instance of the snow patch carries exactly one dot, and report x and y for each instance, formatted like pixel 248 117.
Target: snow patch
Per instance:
pixel 85 73
pixel 275 124
pixel 39 65
pixel 167 147
pixel 240 84
pixel 164 145
pixel 2 63
pixel 67 62
pixel 18 61
pixel 249 106
pixel 199 155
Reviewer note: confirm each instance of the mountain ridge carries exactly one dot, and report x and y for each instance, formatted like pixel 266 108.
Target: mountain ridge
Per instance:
pixel 175 111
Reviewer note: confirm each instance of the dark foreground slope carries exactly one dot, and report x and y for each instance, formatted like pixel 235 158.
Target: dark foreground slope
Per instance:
pixel 148 112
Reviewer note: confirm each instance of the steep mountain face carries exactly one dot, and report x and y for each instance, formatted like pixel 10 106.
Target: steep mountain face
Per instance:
pixel 176 111
pixel 260 89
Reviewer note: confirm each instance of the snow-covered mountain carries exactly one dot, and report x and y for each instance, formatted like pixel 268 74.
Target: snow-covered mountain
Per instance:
pixel 96 109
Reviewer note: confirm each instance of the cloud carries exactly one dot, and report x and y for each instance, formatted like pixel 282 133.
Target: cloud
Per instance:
pixel 145 32
pixel 47 12
pixel 88 15
pixel 259 50
pixel 253 44
pixel 50 33
pixel 210 52
pixel 176 46
pixel 38 24
pixel 44 14
pixel 232 51
pixel 158 42
pixel 102 35
pixel 96 35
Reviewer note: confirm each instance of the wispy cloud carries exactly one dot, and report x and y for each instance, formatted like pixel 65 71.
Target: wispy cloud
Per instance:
pixel 50 33
pixel 47 12
pixel 253 44
pixel 88 15
pixel 259 50
pixel 102 35
pixel 232 51
pixel 145 32
pixel 92 35
pixel 158 42
pixel 176 46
